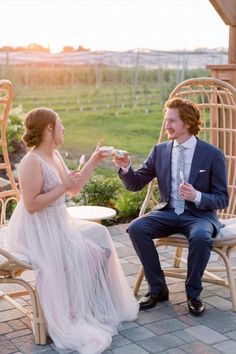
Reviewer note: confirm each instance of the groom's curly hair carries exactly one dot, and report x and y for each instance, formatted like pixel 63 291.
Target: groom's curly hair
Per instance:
pixel 188 111
pixel 35 123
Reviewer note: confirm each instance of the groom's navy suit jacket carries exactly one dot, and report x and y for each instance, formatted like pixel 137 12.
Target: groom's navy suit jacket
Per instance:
pixel 208 175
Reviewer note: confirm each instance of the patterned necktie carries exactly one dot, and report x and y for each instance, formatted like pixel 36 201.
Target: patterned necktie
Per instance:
pixel 179 205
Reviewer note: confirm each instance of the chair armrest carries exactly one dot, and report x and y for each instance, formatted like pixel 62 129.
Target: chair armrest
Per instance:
pixel 148 197
pixel 12 261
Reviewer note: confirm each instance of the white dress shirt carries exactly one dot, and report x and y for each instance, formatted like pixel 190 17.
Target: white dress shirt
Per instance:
pixel 189 148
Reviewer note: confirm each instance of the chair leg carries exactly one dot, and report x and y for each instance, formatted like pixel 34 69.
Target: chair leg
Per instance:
pixel 138 280
pixel 41 322
pixel 231 280
pixel 36 316
pixel 178 254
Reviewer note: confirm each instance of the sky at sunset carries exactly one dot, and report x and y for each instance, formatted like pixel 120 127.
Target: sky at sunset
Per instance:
pixel 112 24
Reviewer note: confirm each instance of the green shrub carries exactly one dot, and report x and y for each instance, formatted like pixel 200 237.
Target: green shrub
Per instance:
pixel 14 131
pixel 110 192
pixel 128 204
pixel 11 204
pixel 15 128
pixel 99 190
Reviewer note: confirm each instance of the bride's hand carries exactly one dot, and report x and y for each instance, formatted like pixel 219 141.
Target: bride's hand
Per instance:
pixel 71 180
pixel 99 144
pixel 98 155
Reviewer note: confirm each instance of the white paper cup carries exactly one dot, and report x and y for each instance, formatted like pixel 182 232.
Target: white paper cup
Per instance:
pixel 107 150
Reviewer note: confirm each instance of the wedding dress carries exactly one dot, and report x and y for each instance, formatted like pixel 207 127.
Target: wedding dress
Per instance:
pixel 81 285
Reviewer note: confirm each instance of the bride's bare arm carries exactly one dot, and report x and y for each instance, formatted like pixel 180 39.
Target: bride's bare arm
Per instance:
pixel 86 172
pixel 31 182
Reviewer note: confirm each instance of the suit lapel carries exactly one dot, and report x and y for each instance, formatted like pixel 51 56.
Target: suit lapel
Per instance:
pixel 199 156
pixel 166 158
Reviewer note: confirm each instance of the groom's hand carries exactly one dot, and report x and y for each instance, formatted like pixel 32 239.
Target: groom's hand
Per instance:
pixel 121 161
pixel 187 191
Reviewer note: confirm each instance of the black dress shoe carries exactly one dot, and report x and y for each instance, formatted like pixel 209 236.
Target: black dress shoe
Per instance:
pixel 150 300
pixel 195 306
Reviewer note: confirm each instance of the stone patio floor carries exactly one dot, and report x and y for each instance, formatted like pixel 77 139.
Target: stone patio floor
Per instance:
pixel 168 328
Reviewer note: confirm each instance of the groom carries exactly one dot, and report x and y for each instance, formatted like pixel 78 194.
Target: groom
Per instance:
pixel 192 180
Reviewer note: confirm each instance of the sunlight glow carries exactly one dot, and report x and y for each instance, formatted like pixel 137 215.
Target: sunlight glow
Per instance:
pixel 112 24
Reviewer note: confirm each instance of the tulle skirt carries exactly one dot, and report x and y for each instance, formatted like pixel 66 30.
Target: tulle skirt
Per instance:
pixel 82 288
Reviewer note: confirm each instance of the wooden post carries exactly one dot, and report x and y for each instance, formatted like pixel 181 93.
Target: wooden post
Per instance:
pixel 232 45
pixel 224 72
pixel 227 11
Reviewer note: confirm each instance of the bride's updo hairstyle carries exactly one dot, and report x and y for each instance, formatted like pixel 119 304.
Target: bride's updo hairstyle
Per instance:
pixel 35 123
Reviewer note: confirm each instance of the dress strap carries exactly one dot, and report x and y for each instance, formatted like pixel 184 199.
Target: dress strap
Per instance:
pixel 39 158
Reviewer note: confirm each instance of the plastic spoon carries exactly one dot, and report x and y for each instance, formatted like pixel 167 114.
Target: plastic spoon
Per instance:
pixel 81 161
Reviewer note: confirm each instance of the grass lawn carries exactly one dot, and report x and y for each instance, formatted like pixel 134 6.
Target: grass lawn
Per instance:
pixel 125 122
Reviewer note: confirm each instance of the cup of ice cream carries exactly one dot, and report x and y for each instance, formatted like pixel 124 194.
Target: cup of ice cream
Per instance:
pixel 106 150
pixel 119 153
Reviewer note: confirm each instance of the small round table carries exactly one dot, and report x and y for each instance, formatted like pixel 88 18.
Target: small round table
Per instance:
pixel 90 212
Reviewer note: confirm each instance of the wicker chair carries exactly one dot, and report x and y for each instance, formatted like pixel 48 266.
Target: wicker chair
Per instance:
pixel 217 103
pixel 11 266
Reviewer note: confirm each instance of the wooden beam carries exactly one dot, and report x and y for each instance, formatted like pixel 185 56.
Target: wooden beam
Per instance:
pixel 226 9
pixel 232 45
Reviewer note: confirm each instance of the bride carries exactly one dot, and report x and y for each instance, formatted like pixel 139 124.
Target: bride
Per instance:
pixel 82 288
